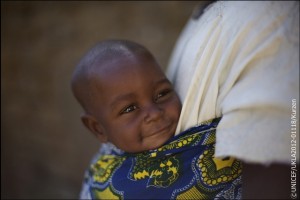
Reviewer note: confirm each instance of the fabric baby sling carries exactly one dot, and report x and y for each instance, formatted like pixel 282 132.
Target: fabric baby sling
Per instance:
pixel 183 168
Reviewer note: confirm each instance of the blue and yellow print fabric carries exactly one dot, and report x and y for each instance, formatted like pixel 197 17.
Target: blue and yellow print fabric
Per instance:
pixel 183 168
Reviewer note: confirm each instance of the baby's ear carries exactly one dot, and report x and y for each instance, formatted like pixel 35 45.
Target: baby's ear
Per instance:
pixel 94 126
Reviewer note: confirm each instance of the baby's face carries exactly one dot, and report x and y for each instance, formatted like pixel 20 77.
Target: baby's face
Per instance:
pixel 136 105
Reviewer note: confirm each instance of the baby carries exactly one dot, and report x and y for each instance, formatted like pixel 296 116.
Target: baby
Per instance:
pixel 133 110
pixel 127 99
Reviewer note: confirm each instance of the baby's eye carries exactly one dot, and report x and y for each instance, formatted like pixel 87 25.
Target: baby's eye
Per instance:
pixel 162 94
pixel 129 109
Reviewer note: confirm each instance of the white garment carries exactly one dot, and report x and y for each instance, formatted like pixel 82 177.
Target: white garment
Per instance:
pixel 240 60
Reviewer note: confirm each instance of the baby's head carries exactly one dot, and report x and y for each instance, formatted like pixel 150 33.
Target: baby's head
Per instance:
pixel 126 96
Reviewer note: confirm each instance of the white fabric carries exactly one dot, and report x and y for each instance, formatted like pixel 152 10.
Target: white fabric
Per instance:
pixel 240 60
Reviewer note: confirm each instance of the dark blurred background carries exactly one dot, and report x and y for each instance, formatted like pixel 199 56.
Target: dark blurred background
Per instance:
pixel 44 147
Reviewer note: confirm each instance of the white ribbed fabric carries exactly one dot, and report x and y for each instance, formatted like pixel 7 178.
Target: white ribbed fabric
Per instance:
pixel 240 60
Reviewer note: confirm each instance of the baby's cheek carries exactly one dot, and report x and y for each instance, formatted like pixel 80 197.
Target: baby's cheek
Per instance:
pixel 175 109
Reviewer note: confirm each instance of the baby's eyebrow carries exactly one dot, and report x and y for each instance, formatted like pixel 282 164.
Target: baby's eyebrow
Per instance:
pixel 162 81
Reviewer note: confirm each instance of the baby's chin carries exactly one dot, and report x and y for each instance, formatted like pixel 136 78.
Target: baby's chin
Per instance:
pixel 156 143
pixel 152 142
pixel 148 145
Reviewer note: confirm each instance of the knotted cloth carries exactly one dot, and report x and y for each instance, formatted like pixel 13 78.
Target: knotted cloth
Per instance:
pixel 240 60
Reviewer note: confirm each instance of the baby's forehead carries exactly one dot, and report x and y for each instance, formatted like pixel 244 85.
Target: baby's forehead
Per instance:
pixel 121 68
pixel 121 63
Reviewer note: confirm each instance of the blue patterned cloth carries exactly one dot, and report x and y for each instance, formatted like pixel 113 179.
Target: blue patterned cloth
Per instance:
pixel 183 168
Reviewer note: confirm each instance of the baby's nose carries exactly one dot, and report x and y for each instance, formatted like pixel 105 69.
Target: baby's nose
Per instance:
pixel 153 113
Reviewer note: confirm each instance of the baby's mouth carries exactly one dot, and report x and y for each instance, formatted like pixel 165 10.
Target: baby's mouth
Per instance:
pixel 160 130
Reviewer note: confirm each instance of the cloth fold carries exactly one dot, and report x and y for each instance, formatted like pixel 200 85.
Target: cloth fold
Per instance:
pixel 183 168
pixel 240 60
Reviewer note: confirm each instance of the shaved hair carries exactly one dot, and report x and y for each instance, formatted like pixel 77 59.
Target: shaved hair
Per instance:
pixel 102 53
